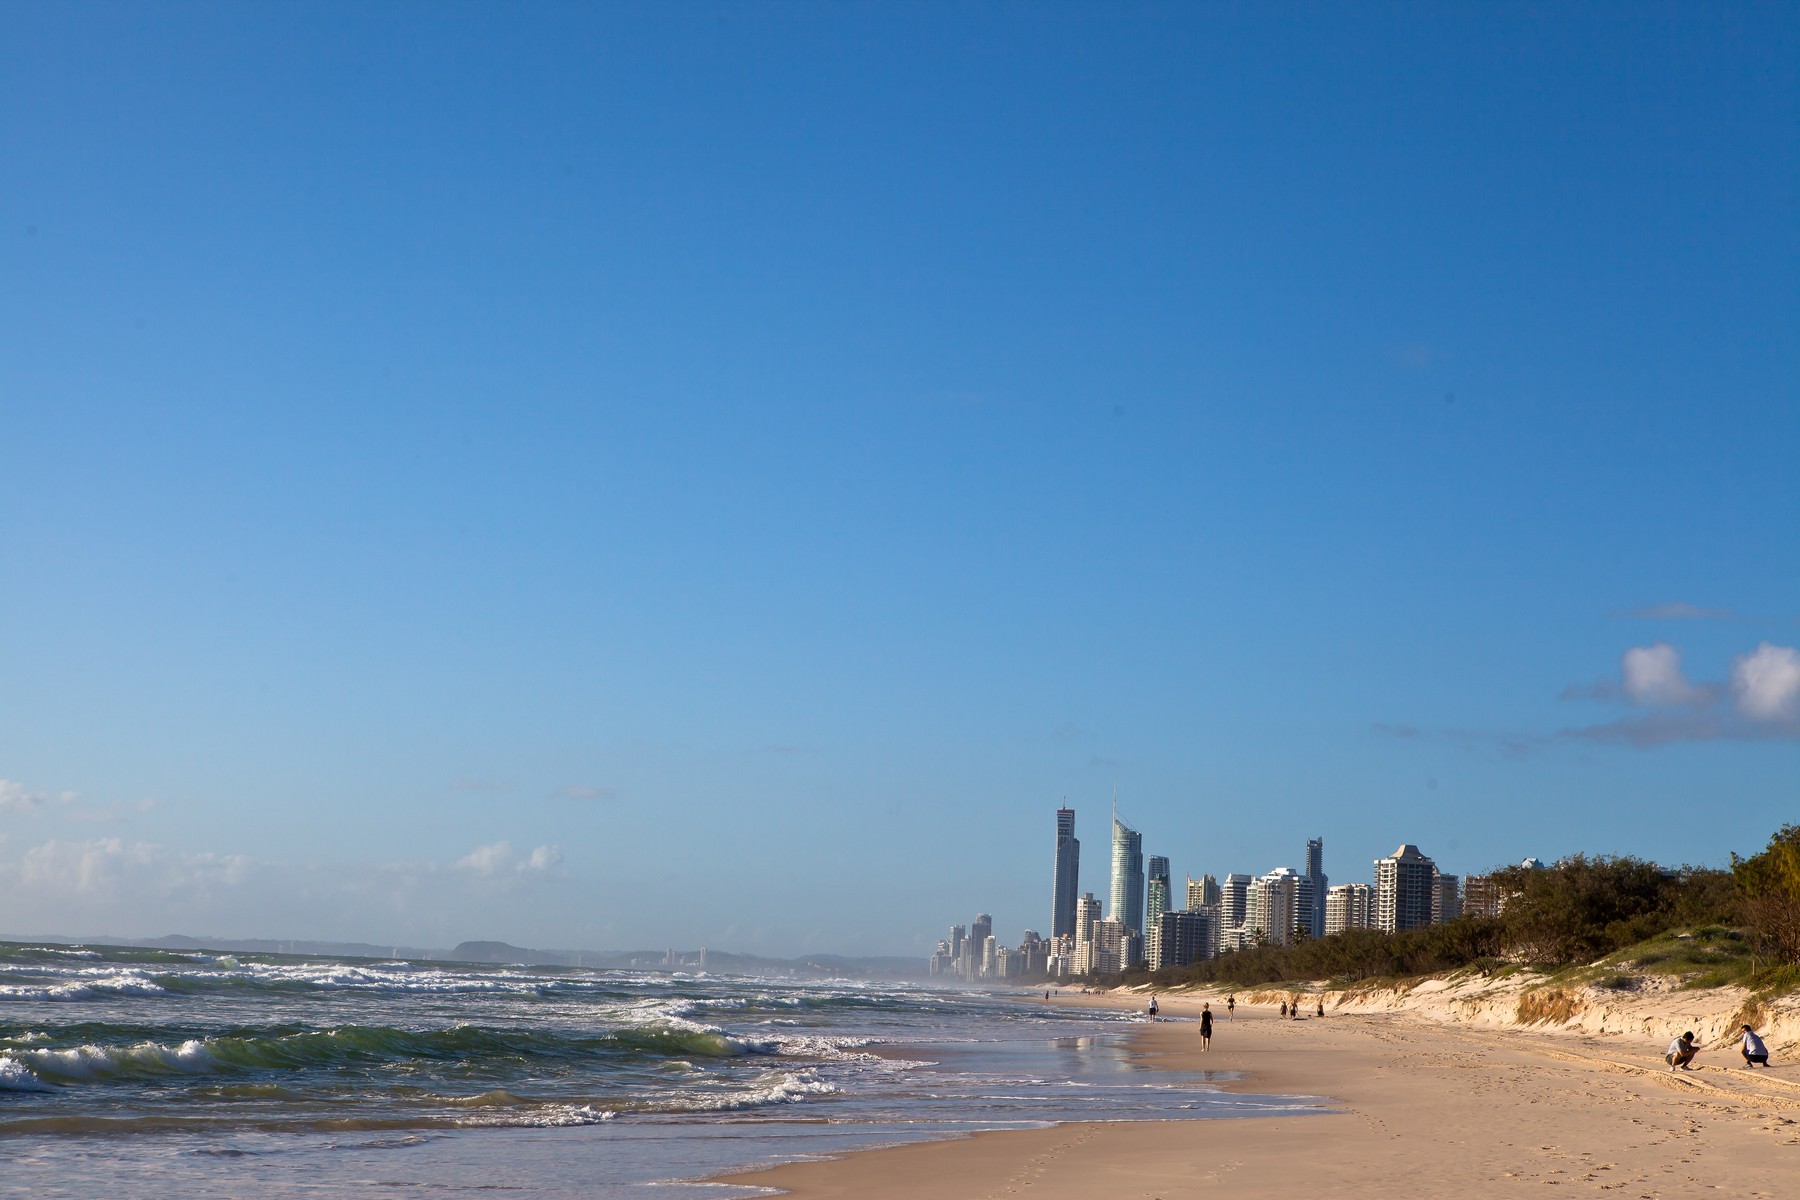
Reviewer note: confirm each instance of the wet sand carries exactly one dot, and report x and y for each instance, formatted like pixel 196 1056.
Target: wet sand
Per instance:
pixel 1421 1109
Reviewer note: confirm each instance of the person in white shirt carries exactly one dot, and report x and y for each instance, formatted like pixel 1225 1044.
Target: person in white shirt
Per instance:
pixel 1754 1050
pixel 1681 1051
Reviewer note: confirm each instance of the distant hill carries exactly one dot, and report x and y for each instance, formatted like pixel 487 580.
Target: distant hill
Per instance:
pixel 503 952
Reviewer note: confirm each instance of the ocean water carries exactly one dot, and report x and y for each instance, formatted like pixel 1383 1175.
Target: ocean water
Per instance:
pixel 152 1073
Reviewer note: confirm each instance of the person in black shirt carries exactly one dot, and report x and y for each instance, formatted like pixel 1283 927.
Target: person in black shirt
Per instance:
pixel 1205 1027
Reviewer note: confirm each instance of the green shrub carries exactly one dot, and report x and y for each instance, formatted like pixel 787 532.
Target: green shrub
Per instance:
pixel 1769 884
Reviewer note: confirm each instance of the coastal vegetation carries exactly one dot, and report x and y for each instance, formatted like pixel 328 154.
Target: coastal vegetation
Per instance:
pixel 1598 920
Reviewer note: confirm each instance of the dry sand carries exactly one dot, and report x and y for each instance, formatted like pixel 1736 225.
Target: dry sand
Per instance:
pixel 1423 1110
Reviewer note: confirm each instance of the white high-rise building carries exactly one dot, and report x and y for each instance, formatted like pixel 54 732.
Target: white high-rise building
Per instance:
pixel 1087 915
pixel 1272 902
pixel 1405 890
pixel 1111 946
pixel 1234 906
pixel 1348 906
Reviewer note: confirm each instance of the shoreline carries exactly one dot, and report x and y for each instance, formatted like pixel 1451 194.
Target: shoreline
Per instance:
pixel 1479 1110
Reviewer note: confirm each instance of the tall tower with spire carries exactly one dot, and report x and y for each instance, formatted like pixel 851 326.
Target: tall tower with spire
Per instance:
pixel 1065 879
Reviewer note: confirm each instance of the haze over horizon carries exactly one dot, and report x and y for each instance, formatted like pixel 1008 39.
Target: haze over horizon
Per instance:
pixel 723 475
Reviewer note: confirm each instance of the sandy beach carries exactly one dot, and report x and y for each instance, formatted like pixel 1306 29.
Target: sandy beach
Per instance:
pixel 1420 1109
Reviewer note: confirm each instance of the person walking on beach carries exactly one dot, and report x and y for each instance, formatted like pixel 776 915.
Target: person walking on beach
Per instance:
pixel 1153 1008
pixel 1231 1007
pixel 1754 1050
pixel 1681 1051
pixel 1321 1007
pixel 1206 1028
pixel 1284 1008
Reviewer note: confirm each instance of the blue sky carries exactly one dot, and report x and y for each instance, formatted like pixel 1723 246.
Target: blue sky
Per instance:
pixel 619 475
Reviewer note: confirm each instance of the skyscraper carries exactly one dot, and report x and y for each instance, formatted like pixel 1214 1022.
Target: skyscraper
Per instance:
pixel 1202 892
pixel 1232 900
pixel 1272 904
pixel 1087 915
pixel 1405 890
pixel 1448 899
pixel 1347 907
pixel 1127 876
pixel 1160 899
pixel 1067 873
pixel 1315 871
pixel 1179 938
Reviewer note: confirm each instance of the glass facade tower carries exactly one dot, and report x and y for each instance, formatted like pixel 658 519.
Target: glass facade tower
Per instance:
pixel 1127 876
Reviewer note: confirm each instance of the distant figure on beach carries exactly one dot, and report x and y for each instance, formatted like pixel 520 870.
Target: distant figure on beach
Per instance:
pixel 1205 1028
pixel 1284 1008
pixel 1754 1050
pixel 1681 1051
pixel 1321 1006
pixel 1231 1007
pixel 1046 997
pixel 1153 1008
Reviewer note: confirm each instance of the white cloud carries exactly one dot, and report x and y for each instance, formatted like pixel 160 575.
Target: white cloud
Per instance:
pixel 1766 683
pixel 16 797
pixel 487 860
pixel 112 868
pixel 1651 675
pixel 499 859
pixel 543 858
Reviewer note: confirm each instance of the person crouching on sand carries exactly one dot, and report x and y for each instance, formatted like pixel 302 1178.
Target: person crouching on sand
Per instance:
pixel 1205 1028
pixel 1681 1051
pixel 1754 1050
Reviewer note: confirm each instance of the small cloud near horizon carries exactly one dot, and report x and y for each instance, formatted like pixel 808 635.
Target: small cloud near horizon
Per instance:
pixel 16 797
pixel 499 859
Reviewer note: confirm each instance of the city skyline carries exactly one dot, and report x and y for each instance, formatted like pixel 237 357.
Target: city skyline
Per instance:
pixel 1407 891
